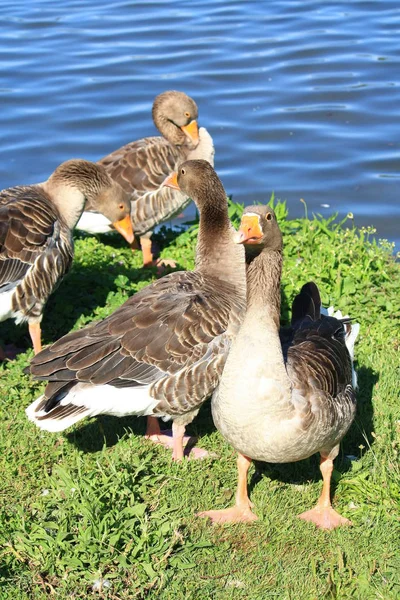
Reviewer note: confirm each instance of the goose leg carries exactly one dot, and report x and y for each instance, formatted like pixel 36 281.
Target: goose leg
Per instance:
pixel 178 432
pixel 36 334
pixel 323 515
pixel 241 511
pixel 149 261
pixel 167 439
pixel 145 244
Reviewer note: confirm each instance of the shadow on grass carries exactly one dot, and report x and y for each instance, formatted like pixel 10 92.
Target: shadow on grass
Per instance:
pixel 83 289
pixel 107 430
pixel 358 435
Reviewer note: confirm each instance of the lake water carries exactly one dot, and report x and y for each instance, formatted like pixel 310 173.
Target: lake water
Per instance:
pixel 302 98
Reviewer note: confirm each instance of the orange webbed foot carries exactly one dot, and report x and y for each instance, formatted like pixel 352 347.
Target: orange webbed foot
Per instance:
pixel 234 514
pixel 324 517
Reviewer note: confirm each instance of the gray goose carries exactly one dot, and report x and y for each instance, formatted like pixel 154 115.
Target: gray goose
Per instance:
pixel 141 167
pixel 162 352
pixel 36 247
pixel 283 402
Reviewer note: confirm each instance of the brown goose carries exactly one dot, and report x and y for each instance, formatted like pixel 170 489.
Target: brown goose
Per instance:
pixel 162 352
pixel 282 403
pixel 141 167
pixel 36 248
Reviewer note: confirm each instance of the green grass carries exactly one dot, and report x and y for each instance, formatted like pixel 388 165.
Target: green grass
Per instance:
pixel 100 503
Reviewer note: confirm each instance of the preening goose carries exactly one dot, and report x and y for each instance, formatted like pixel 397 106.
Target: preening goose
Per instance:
pixel 283 402
pixel 36 247
pixel 141 167
pixel 162 352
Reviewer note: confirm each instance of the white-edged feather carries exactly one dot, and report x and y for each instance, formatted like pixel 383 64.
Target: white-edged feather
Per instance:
pixel 350 338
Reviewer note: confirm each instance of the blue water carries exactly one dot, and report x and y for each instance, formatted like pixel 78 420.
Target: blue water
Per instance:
pixel 302 98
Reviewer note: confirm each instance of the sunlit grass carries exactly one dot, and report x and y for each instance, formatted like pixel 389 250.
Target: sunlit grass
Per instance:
pixel 99 512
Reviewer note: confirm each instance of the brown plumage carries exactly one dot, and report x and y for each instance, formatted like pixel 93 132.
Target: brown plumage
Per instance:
pixel 163 351
pixel 36 248
pixel 141 167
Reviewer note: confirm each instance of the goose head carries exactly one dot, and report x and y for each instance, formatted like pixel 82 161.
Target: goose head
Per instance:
pixel 198 180
pixel 175 116
pixel 77 182
pixel 259 229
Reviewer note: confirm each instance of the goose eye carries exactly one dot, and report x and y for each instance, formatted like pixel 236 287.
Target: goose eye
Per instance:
pixel 187 114
pixel 120 206
pixel 183 171
pixel 268 217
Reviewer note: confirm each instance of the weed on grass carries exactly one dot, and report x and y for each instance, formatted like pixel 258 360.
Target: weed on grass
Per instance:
pixel 98 512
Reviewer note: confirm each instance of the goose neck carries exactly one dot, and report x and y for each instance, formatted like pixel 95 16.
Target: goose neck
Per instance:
pixel 217 253
pixel 263 285
pixel 69 200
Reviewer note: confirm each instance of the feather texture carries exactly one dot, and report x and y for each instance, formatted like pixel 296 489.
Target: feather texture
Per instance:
pixel 168 343
pixel 36 248
pixel 140 167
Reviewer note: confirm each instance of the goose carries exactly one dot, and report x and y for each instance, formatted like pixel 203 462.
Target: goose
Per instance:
pixel 282 402
pixel 141 167
pixel 162 352
pixel 36 247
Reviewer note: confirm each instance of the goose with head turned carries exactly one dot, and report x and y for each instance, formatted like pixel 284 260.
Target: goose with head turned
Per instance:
pixel 141 167
pixel 162 352
pixel 283 402
pixel 36 247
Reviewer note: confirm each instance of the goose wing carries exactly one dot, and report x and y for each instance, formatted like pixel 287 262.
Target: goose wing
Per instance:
pixel 142 166
pixel 172 335
pixel 34 246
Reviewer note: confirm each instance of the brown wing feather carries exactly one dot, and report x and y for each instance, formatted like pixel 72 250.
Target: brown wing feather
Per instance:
pixel 319 366
pixel 140 168
pixel 35 247
pixel 174 334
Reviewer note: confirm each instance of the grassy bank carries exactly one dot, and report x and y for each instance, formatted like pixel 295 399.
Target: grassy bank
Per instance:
pixel 100 504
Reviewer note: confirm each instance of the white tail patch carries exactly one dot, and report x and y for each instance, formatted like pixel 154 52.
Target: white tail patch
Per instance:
pixel 95 400
pixel 350 338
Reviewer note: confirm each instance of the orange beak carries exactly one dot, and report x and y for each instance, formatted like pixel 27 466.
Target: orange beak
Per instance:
pixel 250 231
pixel 172 181
pixel 192 132
pixel 124 227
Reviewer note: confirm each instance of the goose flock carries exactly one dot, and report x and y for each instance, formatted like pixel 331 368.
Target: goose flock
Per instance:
pixel 277 394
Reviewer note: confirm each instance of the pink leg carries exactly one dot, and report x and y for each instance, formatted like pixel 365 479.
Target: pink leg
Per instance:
pixel 323 515
pixel 178 432
pixel 241 511
pixel 167 439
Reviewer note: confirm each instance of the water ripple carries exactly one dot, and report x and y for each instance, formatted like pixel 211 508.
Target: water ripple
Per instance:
pixel 301 97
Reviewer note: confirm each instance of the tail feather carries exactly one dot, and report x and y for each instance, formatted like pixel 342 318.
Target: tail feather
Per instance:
pixel 52 421
pixel 73 403
pixel 352 331
pixel 307 303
